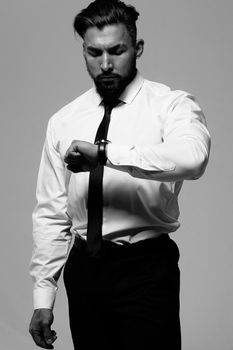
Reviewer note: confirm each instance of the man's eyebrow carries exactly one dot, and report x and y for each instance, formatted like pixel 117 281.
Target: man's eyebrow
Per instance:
pixel 111 48
pixel 118 46
pixel 93 48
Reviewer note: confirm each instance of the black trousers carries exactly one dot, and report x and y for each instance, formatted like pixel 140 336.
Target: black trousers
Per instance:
pixel 126 299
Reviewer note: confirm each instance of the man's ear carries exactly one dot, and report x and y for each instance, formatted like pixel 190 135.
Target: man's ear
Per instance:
pixel 83 49
pixel 139 47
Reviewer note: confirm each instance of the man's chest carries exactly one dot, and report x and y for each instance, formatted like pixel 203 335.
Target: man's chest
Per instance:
pixel 140 125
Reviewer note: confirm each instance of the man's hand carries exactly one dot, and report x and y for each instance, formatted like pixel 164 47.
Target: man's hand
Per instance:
pixel 40 329
pixel 81 156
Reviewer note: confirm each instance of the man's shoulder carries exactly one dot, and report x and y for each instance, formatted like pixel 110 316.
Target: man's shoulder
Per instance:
pixel 156 87
pixel 161 89
pixel 165 93
pixel 74 106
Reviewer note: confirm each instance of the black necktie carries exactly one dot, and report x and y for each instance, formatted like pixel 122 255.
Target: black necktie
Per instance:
pixel 95 191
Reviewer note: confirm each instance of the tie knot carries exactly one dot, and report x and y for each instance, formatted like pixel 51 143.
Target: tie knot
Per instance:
pixel 110 104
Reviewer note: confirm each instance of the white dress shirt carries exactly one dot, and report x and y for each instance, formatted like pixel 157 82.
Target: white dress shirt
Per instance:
pixel 158 138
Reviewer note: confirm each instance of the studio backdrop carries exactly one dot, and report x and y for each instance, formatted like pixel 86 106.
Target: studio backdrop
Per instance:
pixel 188 46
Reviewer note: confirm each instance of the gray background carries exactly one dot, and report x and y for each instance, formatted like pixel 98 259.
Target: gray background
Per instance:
pixel 188 47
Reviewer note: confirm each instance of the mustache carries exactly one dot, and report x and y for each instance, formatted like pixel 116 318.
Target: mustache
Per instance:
pixel 107 76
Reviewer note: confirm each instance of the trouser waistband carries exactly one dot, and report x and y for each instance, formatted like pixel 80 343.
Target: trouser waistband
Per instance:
pixel 113 250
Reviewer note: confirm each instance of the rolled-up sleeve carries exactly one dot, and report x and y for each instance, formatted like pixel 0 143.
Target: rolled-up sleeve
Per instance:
pixel 183 153
pixel 51 225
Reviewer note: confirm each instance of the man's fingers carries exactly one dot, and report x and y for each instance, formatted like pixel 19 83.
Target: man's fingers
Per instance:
pixel 73 154
pixel 74 168
pixel 49 336
pixel 75 165
pixel 72 150
pixel 73 158
pixel 39 340
pixel 54 334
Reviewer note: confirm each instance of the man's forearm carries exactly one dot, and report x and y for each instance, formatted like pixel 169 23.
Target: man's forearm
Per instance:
pixel 163 162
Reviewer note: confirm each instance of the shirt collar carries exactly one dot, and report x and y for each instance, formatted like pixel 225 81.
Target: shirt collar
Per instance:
pixel 131 90
pixel 128 95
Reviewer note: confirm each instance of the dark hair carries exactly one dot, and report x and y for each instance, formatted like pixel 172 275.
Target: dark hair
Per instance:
pixel 106 12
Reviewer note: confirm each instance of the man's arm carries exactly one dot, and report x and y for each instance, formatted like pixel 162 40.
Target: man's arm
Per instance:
pixel 182 155
pixel 51 239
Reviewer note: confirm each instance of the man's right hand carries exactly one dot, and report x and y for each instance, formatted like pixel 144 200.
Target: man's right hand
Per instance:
pixel 40 328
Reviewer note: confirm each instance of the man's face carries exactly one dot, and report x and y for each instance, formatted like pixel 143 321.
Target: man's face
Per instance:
pixel 110 58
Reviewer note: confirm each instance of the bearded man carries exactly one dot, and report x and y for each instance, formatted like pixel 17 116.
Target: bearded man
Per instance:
pixel 112 167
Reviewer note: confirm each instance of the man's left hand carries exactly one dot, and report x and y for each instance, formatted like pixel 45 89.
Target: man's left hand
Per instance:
pixel 81 156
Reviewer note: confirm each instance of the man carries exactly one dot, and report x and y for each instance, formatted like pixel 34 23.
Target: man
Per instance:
pixel 113 164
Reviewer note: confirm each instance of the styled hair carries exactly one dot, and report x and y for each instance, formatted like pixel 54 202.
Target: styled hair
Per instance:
pixel 100 13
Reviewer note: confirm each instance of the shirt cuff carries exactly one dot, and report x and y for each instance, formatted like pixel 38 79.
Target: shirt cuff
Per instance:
pixel 118 154
pixel 44 298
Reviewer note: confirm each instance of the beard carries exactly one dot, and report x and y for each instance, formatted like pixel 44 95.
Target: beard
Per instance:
pixel 110 85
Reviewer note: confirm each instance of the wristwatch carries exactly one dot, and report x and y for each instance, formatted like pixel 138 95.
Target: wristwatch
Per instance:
pixel 102 157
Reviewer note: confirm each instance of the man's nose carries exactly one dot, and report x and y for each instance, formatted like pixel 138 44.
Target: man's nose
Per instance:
pixel 106 64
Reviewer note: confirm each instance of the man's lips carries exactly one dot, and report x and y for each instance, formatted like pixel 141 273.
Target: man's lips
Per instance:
pixel 108 77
